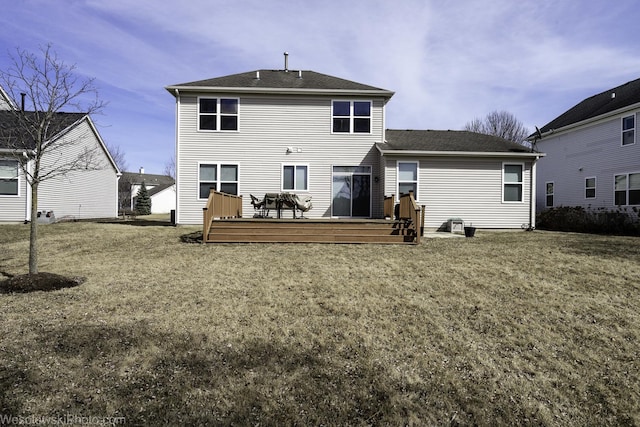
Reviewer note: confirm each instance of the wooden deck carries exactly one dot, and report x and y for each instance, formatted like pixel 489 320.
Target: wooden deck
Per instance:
pixel 223 223
pixel 310 231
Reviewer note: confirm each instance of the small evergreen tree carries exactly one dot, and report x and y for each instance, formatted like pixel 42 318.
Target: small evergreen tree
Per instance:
pixel 143 201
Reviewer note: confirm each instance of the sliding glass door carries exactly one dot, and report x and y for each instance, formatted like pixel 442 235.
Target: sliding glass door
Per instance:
pixel 351 191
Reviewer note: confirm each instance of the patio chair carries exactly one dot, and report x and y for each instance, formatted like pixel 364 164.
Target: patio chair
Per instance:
pixel 259 206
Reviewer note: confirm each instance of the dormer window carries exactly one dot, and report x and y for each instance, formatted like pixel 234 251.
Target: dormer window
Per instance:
pixel 628 130
pixel 351 116
pixel 218 114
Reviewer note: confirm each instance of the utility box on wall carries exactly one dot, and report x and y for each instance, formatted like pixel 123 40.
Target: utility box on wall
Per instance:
pixel 455 225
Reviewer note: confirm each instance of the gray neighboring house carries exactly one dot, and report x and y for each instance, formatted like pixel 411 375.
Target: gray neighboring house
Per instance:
pixel 593 153
pixel 161 189
pixel 80 194
pixel 270 131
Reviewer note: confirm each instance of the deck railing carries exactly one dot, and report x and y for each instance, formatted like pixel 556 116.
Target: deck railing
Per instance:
pixel 389 206
pixel 410 211
pixel 220 205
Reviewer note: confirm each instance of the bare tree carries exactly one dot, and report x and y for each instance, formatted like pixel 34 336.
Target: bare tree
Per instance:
pixel 50 98
pixel 500 123
pixel 118 156
pixel 170 167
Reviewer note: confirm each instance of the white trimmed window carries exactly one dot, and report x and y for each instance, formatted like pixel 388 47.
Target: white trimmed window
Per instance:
pixel 351 116
pixel 512 182
pixel 549 194
pixel 590 188
pixel 629 130
pixel 627 189
pixel 408 178
pixel 295 178
pixel 8 177
pixel 217 176
pixel 218 114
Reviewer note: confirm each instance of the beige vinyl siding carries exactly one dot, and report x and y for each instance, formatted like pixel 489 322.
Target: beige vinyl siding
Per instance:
pixel 267 126
pixel 467 188
pixel 14 208
pixel 84 193
pixel 590 151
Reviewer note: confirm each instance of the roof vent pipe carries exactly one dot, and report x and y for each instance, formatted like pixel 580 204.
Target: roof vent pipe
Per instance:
pixel 258 75
pixel 286 62
pixel 299 74
pixel 22 95
pixel 141 170
pixel 613 95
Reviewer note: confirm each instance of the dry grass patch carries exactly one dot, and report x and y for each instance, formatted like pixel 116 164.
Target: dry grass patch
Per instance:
pixel 504 328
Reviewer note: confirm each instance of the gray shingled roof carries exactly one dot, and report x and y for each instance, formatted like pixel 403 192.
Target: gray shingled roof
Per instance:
pixel 447 141
pixel 596 105
pixel 280 79
pixel 148 178
pixel 14 136
pixel 157 189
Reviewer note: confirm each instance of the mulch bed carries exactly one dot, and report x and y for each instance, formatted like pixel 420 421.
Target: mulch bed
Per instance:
pixel 38 282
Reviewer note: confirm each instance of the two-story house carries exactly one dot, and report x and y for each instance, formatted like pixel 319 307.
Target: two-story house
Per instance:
pixel 272 131
pixel 593 154
pixel 79 193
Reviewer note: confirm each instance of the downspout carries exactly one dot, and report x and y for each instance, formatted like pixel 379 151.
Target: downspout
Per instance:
pixel 532 195
pixel 177 160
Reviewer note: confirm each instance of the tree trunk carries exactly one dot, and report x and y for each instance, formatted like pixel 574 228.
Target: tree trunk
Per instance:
pixel 33 235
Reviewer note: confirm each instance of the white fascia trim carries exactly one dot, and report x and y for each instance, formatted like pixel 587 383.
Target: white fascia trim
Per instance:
pixel 458 153
pixel 282 91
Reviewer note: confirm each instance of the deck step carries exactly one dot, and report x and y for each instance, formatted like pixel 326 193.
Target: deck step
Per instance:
pixel 310 231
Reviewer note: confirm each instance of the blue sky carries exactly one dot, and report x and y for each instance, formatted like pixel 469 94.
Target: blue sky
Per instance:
pixel 447 61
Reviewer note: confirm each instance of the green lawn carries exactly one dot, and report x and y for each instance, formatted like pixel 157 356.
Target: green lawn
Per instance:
pixel 524 328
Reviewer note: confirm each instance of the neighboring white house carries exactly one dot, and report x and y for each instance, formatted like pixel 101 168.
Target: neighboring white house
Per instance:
pixel 91 193
pixel 161 189
pixel 270 131
pixel 5 101
pixel 593 153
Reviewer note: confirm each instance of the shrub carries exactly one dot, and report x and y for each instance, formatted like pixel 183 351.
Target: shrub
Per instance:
pixel 586 220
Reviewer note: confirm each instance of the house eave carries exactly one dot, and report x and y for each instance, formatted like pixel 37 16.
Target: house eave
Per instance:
pixel 280 91
pixel 585 122
pixel 423 153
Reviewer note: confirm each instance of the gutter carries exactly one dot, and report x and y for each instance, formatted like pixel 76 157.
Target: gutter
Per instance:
pixel 280 91
pixel 526 154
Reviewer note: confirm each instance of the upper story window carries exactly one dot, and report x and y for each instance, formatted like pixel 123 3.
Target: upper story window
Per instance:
pixel 549 194
pixel 627 189
pixel 218 114
pixel 408 178
pixel 590 188
pixel 295 177
pixel 512 182
pixel 351 116
pixel 8 177
pixel 629 130
pixel 218 177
